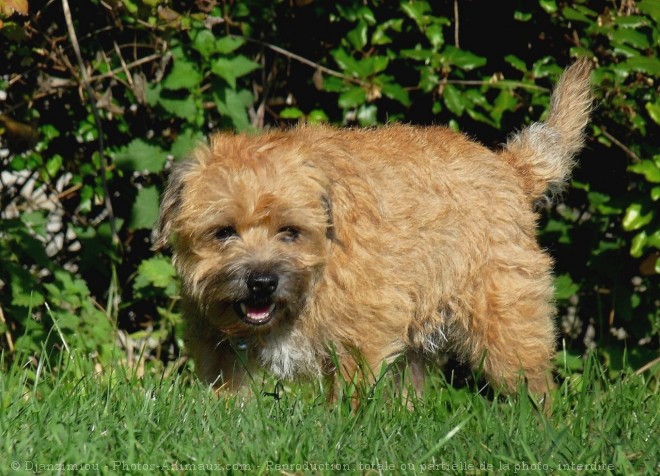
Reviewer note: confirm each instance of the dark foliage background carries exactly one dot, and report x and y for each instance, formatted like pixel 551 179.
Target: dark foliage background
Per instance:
pixel 84 151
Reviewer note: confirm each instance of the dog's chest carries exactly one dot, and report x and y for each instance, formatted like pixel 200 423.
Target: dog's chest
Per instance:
pixel 288 353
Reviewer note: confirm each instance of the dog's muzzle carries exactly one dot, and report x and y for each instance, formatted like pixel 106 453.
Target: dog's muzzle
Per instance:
pixel 259 307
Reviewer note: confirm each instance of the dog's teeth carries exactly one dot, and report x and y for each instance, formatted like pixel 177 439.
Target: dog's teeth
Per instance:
pixel 256 313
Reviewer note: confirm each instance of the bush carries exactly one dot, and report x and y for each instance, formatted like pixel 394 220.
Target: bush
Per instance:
pixel 81 175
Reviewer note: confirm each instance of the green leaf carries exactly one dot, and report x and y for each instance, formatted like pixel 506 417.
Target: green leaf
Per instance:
pixel 358 35
pixel 601 202
pixel 396 92
pixel 632 21
pixel 505 101
pixel 317 116
pixel 419 54
pixel 349 64
pixel 49 132
pixel 522 16
pixel 375 64
pixel 186 142
pixel 130 6
pixel 23 292
pixel 156 271
pixel 631 37
pixel 624 50
pixel 579 13
pixel 234 105
pixel 332 84
pixel 232 68
pixel 184 75
pixel 572 362
pixel 353 13
pixel 649 169
pixel 565 287
pixel 655 194
pixel 35 221
pixel 481 117
pixel 654 111
pixel 145 209
pixel 204 42
pixel 454 100
pixel 54 164
pixel 463 59
pixel 183 107
pixel 435 36
pixel 291 113
pixel 366 14
pixel 545 67
pixel 638 244
pixel 644 64
pixel 428 79
pixel 228 44
pixel 550 6
pixel 380 36
pixel 654 239
pixel 516 63
pixel 140 156
pixel 651 8
pixel 352 98
pixel 635 217
pixel 416 10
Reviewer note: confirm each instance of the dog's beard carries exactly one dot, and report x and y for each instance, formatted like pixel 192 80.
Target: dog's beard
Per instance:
pixel 229 302
pixel 270 325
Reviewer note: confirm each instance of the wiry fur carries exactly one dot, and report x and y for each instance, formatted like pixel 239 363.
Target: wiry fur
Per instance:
pixel 411 240
pixel 543 152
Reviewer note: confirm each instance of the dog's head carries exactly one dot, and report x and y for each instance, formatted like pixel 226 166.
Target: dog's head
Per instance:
pixel 250 223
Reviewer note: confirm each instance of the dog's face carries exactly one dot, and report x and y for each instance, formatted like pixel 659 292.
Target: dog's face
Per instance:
pixel 251 221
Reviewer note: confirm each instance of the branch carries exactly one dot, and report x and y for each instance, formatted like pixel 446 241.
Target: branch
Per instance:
pixel 10 341
pixel 303 60
pixel 621 145
pixel 456 24
pixel 647 366
pixel 504 83
pixel 338 74
pixel 97 118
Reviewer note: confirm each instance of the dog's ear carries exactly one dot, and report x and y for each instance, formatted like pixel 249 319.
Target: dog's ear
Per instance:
pixel 170 205
pixel 327 205
pixel 323 183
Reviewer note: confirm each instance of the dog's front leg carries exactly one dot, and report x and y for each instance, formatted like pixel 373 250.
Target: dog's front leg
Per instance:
pixel 219 361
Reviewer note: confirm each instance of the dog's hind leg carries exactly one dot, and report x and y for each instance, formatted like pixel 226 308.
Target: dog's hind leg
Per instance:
pixel 510 333
pixel 410 374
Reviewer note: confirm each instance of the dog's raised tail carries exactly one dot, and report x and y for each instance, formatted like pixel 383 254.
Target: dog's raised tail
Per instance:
pixel 544 152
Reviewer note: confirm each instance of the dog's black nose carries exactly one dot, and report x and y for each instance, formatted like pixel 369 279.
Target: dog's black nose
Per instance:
pixel 262 284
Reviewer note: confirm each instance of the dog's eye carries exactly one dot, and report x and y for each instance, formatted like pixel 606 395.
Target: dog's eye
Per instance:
pixel 289 233
pixel 225 233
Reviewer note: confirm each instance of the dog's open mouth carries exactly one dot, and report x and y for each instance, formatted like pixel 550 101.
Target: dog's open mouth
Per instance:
pixel 256 313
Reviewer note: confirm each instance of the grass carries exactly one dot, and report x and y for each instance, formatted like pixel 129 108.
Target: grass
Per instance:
pixel 60 415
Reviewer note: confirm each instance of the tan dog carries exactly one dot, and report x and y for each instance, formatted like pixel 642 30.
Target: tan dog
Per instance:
pixel 296 246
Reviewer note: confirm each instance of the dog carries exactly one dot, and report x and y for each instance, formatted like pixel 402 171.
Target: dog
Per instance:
pixel 319 251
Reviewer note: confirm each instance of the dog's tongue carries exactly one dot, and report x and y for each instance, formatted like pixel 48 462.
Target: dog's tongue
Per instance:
pixel 258 313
